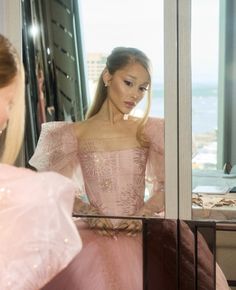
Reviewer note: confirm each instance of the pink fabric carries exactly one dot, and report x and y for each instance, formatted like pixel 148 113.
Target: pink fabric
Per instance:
pixel 104 263
pixel 155 172
pixel 114 182
pixel 38 237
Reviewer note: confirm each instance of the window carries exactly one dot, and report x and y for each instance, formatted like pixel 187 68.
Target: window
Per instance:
pixel 108 23
pixel 205 63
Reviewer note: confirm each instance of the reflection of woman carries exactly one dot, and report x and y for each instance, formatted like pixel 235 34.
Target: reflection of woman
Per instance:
pixel 110 155
pixel 38 238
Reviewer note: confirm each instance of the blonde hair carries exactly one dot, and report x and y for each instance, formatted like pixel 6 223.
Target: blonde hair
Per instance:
pixel 118 59
pixel 11 69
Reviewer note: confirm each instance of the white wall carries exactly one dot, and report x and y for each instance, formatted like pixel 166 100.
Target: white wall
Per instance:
pixel 10 21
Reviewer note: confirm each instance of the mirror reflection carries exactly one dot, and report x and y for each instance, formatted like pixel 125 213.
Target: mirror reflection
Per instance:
pixel 104 142
pixel 110 154
pixel 95 133
pixel 128 148
pixel 213 105
pixel 50 238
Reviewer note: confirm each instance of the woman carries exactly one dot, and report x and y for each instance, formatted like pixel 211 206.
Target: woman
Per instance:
pixel 38 238
pixel 112 156
pixel 107 156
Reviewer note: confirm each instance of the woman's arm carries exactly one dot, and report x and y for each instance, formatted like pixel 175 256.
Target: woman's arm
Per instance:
pixel 154 205
pixel 101 225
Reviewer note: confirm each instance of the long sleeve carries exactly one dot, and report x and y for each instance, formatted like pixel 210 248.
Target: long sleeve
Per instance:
pixel 155 172
pixel 155 169
pixel 38 236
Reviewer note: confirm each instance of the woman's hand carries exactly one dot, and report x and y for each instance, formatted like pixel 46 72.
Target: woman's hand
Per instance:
pixel 101 225
pixel 81 207
pixel 130 227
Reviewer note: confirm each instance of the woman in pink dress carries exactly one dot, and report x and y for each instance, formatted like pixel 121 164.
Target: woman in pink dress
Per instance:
pixel 112 156
pixel 37 235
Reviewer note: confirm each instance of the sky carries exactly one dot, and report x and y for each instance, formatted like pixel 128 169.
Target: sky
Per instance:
pixel 205 40
pixel 111 23
pixel 138 23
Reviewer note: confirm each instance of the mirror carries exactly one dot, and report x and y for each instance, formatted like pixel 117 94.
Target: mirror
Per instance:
pixel 65 50
pixel 66 44
pixel 61 49
pixel 213 109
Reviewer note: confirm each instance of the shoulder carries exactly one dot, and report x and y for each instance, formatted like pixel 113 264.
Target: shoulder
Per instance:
pixel 156 122
pixel 56 127
pixel 81 127
pixel 57 145
pixel 53 134
pixel 154 125
pixel 155 132
pixel 90 128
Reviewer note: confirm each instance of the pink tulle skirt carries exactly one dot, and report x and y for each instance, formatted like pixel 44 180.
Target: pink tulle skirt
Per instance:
pixel 104 263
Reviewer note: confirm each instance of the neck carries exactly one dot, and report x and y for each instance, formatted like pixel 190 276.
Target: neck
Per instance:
pixel 109 113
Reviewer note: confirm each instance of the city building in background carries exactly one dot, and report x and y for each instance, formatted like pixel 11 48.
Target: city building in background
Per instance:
pixel 95 64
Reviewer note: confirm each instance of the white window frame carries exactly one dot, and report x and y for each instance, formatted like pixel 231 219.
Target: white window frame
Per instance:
pixel 178 129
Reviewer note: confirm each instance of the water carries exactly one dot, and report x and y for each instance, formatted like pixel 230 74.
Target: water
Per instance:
pixel 204 107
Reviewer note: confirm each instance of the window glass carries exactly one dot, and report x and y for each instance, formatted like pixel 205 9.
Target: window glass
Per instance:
pixel 213 108
pixel 107 24
pixel 205 54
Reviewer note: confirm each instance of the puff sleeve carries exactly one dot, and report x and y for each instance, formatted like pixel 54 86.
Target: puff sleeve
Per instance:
pixel 155 167
pixel 155 170
pixel 57 150
pixel 38 236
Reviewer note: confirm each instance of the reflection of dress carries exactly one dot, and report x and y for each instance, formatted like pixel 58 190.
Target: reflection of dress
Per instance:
pixel 114 182
pixel 37 236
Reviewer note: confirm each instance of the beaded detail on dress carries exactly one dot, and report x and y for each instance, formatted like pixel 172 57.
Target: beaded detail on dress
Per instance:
pixel 113 178
pixel 109 179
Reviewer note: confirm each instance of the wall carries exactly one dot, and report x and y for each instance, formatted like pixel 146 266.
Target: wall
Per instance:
pixel 10 21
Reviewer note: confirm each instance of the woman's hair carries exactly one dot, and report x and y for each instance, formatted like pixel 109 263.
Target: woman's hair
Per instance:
pixel 119 58
pixel 11 68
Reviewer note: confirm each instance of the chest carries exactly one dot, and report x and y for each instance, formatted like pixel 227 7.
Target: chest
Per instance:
pixel 127 162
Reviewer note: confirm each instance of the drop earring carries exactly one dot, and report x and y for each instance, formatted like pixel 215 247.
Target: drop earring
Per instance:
pixel 126 117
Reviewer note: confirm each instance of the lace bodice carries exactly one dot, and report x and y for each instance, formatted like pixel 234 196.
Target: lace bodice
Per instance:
pixel 114 181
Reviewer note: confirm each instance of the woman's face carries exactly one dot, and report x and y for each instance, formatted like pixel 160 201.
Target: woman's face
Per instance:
pixel 127 87
pixel 7 95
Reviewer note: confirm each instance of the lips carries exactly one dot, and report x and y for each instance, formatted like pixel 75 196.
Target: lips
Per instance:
pixel 129 105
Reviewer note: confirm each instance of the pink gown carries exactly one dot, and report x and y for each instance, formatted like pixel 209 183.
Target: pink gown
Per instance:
pixel 37 235
pixel 114 182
